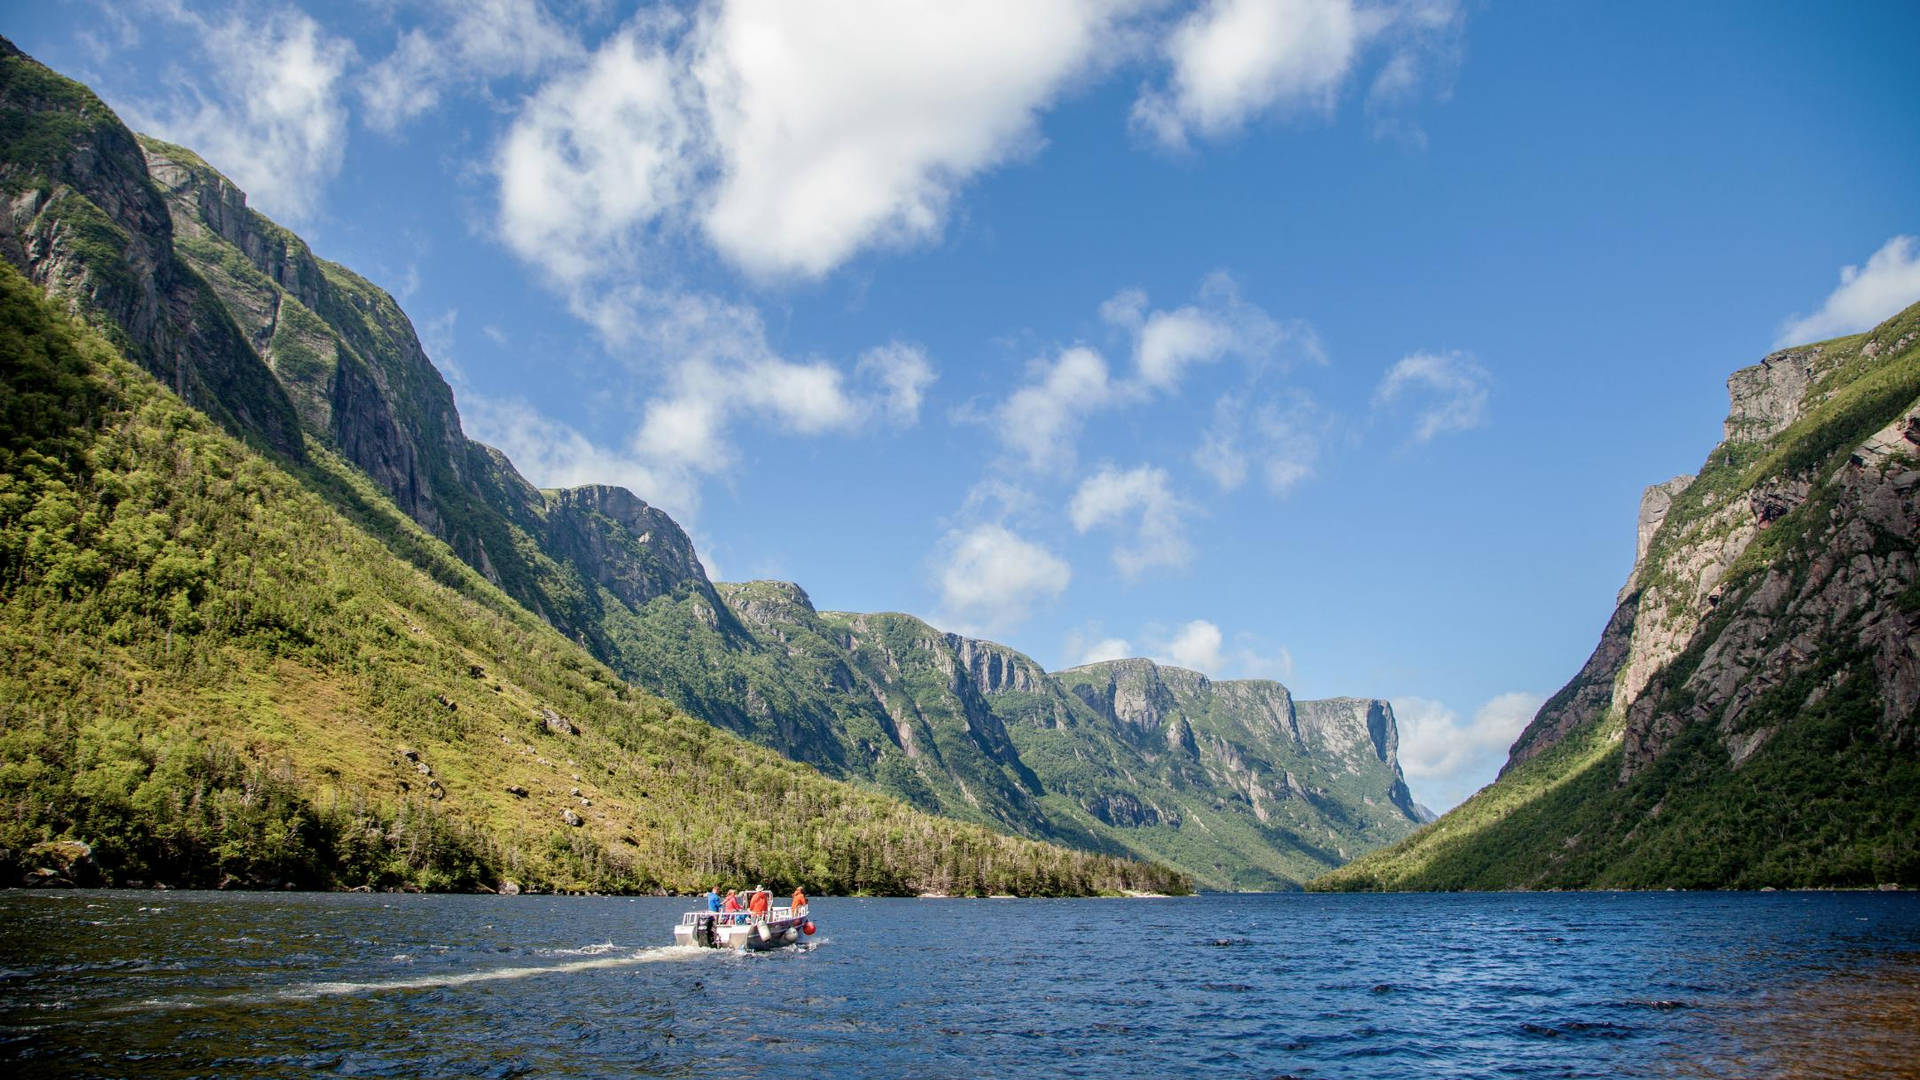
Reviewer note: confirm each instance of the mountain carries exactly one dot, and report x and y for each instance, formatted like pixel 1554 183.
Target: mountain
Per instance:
pixel 1749 715
pixel 308 363
pixel 1233 782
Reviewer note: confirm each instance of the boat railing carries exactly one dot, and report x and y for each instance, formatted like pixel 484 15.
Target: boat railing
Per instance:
pixel 747 918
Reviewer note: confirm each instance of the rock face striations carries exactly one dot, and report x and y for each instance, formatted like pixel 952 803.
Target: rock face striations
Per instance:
pixel 1234 782
pixel 1749 716
pixel 314 365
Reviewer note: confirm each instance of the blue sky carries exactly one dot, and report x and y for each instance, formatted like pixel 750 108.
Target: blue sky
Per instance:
pixel 1317 340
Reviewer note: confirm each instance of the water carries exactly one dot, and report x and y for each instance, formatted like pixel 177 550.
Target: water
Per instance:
pixel 1561 985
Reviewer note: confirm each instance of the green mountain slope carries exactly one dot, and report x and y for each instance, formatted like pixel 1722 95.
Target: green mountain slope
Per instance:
pixel 1751 716
pixel 209 675
pixel 1232 782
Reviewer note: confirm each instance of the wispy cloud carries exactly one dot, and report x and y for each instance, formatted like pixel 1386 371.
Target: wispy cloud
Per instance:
pixel 461 44
pixel 1447 392
pixel 1143 499
pixel 263 103
pixel 1867 295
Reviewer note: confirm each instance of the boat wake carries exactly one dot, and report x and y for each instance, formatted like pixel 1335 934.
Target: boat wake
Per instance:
pixel 312 990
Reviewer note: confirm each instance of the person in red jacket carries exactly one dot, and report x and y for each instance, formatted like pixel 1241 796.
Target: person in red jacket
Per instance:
pixel 762 899
pixel 731 906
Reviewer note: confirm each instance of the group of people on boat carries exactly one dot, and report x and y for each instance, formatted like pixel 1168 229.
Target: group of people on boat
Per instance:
pixel 732 908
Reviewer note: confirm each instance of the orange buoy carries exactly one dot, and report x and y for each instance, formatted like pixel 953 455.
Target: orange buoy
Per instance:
pixel 808 927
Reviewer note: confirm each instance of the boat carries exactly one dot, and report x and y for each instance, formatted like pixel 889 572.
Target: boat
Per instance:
pixel 741 930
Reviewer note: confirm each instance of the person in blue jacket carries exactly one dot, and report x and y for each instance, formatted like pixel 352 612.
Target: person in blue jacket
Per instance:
pixel 713 898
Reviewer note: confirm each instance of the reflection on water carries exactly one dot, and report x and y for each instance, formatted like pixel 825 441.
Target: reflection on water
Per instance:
pixel 1391 987
pixel 1860 1018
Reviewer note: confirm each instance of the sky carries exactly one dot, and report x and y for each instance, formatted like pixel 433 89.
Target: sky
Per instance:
pixel 1318 340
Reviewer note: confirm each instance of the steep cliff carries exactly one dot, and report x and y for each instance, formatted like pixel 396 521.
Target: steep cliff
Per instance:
pixel 1749 716
pixel 1232 782
pixel 83 221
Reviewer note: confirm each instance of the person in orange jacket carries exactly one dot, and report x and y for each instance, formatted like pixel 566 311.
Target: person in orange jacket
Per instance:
pixel 762 899
pixel 799 900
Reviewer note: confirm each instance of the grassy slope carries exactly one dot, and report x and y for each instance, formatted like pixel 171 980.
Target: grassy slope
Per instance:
pixel 1826 801
pixel 209 673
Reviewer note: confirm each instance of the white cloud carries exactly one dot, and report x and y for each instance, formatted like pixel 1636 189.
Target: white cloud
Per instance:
pixel 1200 645
pixel 1093 652
pixel 789 134
pixel 269 113
pixel 1110 497
pixel 596 155
pixel 468 43
pixel 1232 61
pixel 1446 759
pixel 1235 59
pixel 1866 296
pixel 1283 441
pixel 841 126
pixel 1219 454
pixel 1220 324
pixel 904 373
pixel 1195 646
pixel 1450 391
pixel 552 454
pixel 990 578
pixel 1041 420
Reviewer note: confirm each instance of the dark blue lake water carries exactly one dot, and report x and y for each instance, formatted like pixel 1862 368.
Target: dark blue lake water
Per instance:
pixel 1563 985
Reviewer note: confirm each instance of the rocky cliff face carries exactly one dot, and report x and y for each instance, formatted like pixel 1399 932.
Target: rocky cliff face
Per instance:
pixel 1749 716
pixel 84 221
pixel 1234 782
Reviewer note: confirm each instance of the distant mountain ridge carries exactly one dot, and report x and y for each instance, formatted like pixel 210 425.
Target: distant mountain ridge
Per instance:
pixel 302 357
pixel 1751 715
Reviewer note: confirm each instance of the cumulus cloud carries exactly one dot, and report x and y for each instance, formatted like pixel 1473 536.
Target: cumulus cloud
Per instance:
pixel 1195 646
pixel 1201 645
pixel 463 43
pixel 1082 651
pixel 990 579
pixel 1866 296
pixel 263 104
pixel 1446 758
pixel 1143 498
pixel 1231 61
pixel 841 126
pixel 597 155
pixel 789 134
pixel 1041 420
pixel 1448 392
